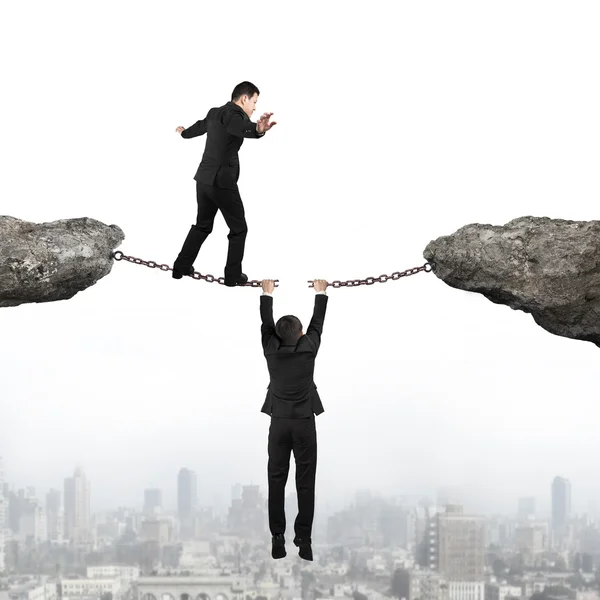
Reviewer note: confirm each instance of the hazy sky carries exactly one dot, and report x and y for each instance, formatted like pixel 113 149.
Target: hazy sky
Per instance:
pixel 398 122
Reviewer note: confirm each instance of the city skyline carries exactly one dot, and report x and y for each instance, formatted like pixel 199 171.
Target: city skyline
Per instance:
pixel 431 550
pixel 185 482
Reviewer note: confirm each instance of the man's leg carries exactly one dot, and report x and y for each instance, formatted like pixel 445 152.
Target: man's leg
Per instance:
pixel 207 209
pixel 279 448
pixel 305 454
pixel 231 207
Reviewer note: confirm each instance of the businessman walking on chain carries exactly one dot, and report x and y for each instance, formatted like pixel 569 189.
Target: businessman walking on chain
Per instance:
pixel 292 402
pixel 217 177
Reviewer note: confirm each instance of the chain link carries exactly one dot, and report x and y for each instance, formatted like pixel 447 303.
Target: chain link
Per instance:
pixel 118 255
pixel 381 279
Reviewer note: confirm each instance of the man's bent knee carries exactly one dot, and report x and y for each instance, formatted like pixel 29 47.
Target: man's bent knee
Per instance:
pixel 202 228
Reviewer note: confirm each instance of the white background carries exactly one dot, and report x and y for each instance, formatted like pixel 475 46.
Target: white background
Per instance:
pixel 398 122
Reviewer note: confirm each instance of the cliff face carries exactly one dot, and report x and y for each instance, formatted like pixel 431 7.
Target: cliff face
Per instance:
pixel 547 267
pixel 53 261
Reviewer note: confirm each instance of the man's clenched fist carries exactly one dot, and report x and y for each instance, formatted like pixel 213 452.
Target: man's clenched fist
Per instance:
pixel 268 285
pixel 320 285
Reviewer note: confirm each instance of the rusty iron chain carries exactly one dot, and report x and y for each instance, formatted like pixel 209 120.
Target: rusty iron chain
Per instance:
pixel 381 279
pixel 118 255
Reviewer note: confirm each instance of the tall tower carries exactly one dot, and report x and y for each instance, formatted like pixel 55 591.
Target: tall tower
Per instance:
pixel 77 507
pixel 187 500
pixel 561 504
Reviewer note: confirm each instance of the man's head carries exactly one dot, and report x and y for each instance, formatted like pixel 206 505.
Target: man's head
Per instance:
pixel 289 329
pixel 245 95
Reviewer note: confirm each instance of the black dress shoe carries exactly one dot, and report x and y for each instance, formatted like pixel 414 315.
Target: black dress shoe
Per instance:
pixel 241 280
pixel 304 548
pixel 278 546
pixel 179 273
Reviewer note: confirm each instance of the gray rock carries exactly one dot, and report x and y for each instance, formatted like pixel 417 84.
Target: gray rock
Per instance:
pixel 53 261
pixel 547 267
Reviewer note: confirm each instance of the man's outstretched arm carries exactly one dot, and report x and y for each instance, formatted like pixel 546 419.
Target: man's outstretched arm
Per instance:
pixel 267 328
pixel 198 128
pixel 315 327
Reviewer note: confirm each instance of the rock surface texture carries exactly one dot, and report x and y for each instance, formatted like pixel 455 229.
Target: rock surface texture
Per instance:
pixel 547 267
pixel 53 261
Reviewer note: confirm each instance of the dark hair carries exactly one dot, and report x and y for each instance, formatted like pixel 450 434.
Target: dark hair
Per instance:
pixel 244 88
pixel 289 328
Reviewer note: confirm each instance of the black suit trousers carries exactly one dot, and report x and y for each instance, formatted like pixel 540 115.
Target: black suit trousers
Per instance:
pixel 210 200
pixel 285 436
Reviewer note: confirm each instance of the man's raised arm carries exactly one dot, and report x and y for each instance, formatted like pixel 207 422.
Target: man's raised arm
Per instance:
pixel 267 328
pixel 241 127
pixel 315 327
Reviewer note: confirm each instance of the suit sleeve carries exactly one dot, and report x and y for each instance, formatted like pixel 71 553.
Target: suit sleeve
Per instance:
pixel 315 327
pixel 198 128
pixel 240 127
pixel 267 328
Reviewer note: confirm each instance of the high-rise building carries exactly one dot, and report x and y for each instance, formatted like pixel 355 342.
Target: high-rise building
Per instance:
pixel 561 504
pixel 77 508
pixel 33 523
pixel 526 508
pixel 461 549
pixel 530 541
pixel 187 501
pixel 152 502
pixel 247 515
pixel 54 516
pixel 18 503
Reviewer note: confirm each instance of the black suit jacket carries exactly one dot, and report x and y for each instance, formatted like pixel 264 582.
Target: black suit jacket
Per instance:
pixel 292 392
pixel 226 127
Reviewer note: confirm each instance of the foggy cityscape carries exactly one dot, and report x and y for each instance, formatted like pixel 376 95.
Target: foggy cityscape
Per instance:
pixel 375 547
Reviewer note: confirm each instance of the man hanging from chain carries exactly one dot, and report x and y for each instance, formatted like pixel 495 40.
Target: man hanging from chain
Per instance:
pixel 292 402
pixel 217 176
